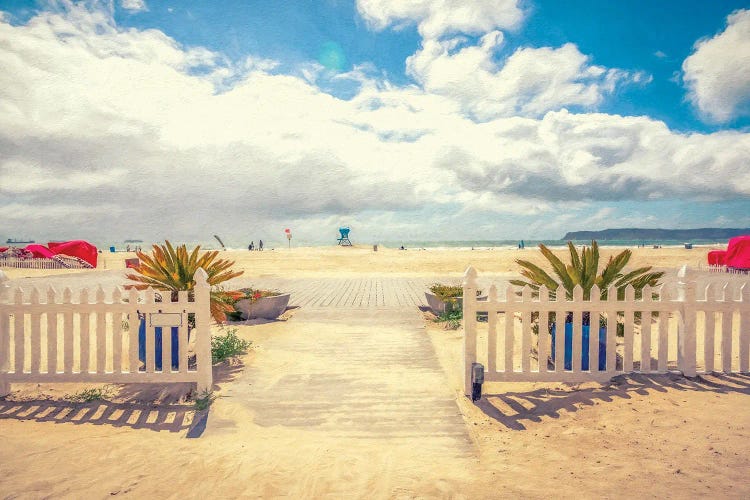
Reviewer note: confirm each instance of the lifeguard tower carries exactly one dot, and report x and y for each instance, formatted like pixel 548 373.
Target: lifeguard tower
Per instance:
pixel 344 240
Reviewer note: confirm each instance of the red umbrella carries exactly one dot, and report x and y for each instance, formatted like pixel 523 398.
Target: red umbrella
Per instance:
pixel 40 251
pixel 77 248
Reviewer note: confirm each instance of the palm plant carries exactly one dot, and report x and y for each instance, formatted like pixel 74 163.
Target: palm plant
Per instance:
pixel 583 270
pixel 172 269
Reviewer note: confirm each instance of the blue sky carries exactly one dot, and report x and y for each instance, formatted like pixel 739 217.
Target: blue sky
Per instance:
pixel 614 34
pixel 405 119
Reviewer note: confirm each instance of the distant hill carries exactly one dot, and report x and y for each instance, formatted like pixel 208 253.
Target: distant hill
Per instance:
pixel 631 233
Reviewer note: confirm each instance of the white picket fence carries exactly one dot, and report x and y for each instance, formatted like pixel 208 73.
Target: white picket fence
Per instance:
pixel 47 336
pixel 714 268
pixel 657 329
pixel 57 262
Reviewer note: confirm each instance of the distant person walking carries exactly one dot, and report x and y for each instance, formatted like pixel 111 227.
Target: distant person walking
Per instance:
pixel 260 245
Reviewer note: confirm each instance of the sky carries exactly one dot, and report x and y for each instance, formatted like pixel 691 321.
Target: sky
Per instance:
pixel 403 119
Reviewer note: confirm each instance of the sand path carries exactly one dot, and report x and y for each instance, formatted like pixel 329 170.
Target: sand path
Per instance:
pixel 354 395
pixel 373 375
pixel 346 399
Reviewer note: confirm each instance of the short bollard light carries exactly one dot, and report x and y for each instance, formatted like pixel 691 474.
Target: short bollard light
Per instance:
pixel 477 379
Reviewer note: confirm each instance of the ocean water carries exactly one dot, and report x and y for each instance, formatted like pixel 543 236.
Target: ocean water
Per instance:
pixel 237 243
pixel 233 244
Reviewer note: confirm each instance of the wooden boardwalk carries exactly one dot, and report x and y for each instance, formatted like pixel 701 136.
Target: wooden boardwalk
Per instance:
pixel 368 292
pixel 347 293
pixel 356 374
pixel 310 293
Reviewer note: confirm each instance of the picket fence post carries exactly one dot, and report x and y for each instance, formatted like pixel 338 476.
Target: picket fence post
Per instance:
pixel 203 331
pixel 470 325
pixel 686 342
pixel 4 333
pixel 745 328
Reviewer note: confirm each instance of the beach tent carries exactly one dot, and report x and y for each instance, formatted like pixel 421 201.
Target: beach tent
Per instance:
pixel 82 252
pixel 76 248
pixel 40 251
pixel 716 257
pixel 737 254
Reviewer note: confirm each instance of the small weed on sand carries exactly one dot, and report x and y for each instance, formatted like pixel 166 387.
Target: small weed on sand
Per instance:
pixel 452 319
pixel 90 394
pixel 204 400
pixel 228 345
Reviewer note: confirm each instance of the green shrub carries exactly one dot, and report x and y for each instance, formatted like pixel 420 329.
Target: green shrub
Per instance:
pixel 253 294
pixel 204 400
pixel 450 295
pixel 452 319
pixel 228 345
pixel 446 292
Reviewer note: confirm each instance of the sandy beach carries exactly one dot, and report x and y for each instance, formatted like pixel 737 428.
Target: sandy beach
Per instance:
pixel 386 419
pixel 359 259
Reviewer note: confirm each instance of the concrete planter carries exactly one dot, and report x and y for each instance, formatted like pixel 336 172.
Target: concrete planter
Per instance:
pixel 264 307
pixel 440 306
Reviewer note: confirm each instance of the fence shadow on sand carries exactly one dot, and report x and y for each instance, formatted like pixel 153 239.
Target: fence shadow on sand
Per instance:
pixel 512 409
pixel 156 407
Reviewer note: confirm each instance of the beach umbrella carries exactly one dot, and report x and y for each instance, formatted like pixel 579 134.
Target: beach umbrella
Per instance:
pixel 40 251
pixel 76 248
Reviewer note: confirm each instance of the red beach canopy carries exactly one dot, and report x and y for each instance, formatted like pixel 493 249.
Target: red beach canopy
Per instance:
pixel 76 248
pixel 40 251
pixel 716 257
pixel 737 254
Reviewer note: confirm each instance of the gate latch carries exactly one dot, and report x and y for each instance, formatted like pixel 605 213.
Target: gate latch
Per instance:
pixel 477 379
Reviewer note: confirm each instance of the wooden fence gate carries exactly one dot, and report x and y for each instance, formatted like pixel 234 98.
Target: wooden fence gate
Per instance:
pixel 46 336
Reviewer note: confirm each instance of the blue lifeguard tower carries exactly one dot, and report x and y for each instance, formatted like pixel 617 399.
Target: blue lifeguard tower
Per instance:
pixel 344 240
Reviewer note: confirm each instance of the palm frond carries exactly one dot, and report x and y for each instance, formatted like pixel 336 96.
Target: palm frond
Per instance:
pixel 631 276
pixel 612 271
pixel 559 268
pixel 583 270
pixel 172 268
pixel 536 275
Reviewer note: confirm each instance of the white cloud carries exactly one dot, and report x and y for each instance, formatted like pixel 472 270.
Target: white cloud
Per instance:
pixel 599 157
pixel 435 18
pixel 17 177
pixel 717 74
pixel 531 81
pixel 134 5
pixel 121 125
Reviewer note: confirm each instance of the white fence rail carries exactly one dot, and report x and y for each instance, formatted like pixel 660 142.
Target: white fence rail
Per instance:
pixel 57 262
pixel 715 268
pixel 659 333
pixel 46 336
